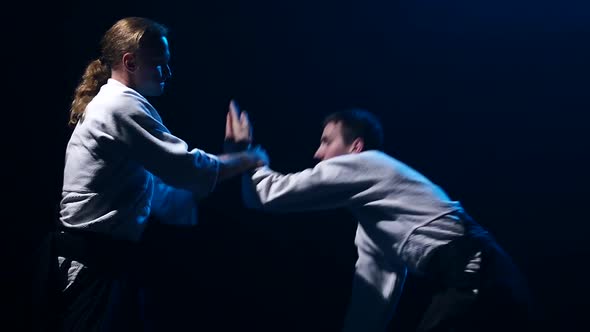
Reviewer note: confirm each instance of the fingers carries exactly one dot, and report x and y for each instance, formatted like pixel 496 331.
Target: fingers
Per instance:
pixel 234 109
pixel 232 123
pixel 243 115
pixel 239 123
pixel 244 118
pixel 229 133
pixel 234 112
pixel 245 124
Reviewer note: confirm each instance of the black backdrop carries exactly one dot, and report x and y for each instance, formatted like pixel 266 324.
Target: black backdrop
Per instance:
pixel 488 99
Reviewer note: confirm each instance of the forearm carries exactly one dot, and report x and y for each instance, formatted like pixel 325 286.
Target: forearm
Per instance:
pixel 232 164
pixel 323 187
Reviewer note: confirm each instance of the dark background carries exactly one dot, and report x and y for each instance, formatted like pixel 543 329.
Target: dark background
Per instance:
pixel 489 99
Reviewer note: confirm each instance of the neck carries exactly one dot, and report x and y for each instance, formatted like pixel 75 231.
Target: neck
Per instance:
pixel 122 77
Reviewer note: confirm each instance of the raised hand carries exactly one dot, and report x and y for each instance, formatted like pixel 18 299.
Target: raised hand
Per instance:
pixel 237 124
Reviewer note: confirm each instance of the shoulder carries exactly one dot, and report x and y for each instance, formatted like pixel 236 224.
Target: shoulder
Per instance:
pixel 354 165
pixel 374 163
pixel 116 102
pixel 373 158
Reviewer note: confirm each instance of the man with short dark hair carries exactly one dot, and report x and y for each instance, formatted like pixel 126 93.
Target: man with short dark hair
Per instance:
pixel 405 223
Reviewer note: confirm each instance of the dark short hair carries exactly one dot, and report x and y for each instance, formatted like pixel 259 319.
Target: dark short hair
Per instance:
pixel 359 123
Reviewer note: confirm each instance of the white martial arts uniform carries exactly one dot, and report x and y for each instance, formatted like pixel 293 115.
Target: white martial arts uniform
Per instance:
pixel 122 164
pixel 402 217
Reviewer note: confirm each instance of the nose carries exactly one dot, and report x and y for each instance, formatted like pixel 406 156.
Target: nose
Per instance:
pixel 318 154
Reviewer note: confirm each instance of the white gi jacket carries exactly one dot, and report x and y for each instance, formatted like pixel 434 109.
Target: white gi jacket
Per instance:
pixel 122 164
pixel 402 217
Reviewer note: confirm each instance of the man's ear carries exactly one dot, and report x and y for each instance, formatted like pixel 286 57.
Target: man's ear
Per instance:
pixel 358 145
pixel 129 62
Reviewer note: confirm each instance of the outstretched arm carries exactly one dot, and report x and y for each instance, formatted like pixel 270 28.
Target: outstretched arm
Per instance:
pixel 337 182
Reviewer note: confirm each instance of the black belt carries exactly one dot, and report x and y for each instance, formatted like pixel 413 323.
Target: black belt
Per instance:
pixel 447 263
pixel 97 251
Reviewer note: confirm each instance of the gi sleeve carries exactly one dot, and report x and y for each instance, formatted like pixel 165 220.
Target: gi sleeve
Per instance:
pixel 333 183
pixel 134 130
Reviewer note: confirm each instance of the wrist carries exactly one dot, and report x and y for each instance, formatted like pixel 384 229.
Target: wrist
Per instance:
pixel 231 146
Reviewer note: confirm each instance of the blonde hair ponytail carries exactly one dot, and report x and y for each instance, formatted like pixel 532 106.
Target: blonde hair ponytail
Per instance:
pixel 95 76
